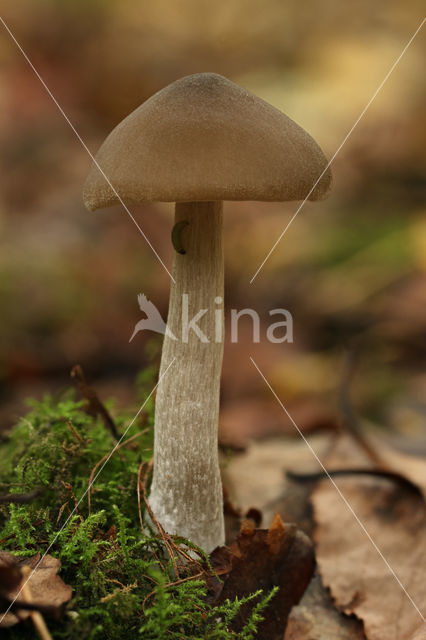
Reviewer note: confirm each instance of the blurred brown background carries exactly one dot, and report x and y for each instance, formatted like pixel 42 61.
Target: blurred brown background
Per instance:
pixel 351 269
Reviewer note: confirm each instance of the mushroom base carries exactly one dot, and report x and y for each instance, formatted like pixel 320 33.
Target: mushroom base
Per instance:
pixel 186 493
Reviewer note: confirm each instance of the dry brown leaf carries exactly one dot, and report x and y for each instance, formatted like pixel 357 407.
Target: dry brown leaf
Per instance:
pixel 256 477
pixel 316 618
pixel 411 467
pixel 47 588
pixel 261 559
pixel 358 578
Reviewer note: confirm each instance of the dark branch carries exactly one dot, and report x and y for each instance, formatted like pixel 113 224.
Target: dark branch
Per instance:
pixel 393 476
pixel 20 498
pixel 94 406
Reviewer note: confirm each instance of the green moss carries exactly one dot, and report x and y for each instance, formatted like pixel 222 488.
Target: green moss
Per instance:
pixel 123 585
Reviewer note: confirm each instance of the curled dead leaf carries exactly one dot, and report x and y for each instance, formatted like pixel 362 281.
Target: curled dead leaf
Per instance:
pixel 261 559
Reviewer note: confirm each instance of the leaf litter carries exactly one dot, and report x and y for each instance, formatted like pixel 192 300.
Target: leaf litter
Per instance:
pixel 48 590
pixel 359 579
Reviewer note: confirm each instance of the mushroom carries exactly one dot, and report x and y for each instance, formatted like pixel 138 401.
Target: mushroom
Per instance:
pixel 197 142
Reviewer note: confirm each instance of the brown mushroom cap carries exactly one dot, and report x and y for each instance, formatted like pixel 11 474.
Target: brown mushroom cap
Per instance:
pixel 205 138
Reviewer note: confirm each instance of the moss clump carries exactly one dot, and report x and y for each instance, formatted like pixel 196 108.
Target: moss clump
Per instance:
pixel 124 584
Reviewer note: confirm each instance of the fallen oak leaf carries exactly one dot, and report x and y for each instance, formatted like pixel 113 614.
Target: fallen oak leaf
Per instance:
pixel 48 590
pixel 256 476
pixel 316 618
pixel 359 580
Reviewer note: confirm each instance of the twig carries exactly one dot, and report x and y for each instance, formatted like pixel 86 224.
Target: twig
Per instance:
pixel 11 536
pixel 138 491
pixel 172 584
pixel 393 476
pixel 123 589
pixel 184 553
pixel 144 575
pixel 74 430
pixel 120 584
pixel 12 484
pixel 94 406
pixel 151 593
pixel 20 498
pixel 187 579
pixel 173 549
pixel 69 488
pixel 163 534
pixel 6 538
pixel 61 510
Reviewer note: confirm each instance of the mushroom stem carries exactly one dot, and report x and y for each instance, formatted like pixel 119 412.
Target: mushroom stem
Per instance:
pixel 186 492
